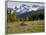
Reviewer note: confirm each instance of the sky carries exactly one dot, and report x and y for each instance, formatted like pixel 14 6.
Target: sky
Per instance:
pixel 13 4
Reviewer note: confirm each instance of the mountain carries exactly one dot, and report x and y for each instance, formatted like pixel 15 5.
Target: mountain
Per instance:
pixel 35 6
pixel 24 15
pixel 26 8
pixel 28 11
pixel 31 14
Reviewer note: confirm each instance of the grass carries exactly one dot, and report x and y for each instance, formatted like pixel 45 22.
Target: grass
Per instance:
pixel 31 26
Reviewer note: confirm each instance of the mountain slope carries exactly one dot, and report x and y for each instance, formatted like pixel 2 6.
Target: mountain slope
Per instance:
pixel 32 14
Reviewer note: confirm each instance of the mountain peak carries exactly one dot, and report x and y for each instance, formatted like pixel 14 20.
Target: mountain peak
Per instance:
pixel 35 6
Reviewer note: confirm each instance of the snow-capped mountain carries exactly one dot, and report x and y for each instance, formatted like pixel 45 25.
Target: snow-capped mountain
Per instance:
pixel 25 8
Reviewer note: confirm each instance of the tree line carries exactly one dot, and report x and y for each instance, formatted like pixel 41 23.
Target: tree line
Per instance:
pixel 38 15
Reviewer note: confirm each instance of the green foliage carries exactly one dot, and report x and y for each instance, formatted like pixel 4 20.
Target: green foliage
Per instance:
pixel 17 18
pixel 27 18
pixel 10 17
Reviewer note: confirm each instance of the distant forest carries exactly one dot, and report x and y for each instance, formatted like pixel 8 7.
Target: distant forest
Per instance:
pixel 35 15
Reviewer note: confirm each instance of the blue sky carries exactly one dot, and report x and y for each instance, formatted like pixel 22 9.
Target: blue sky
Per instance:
pixel 13 4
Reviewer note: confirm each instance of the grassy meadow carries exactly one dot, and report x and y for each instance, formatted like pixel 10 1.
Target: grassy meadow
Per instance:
pixel 29 26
